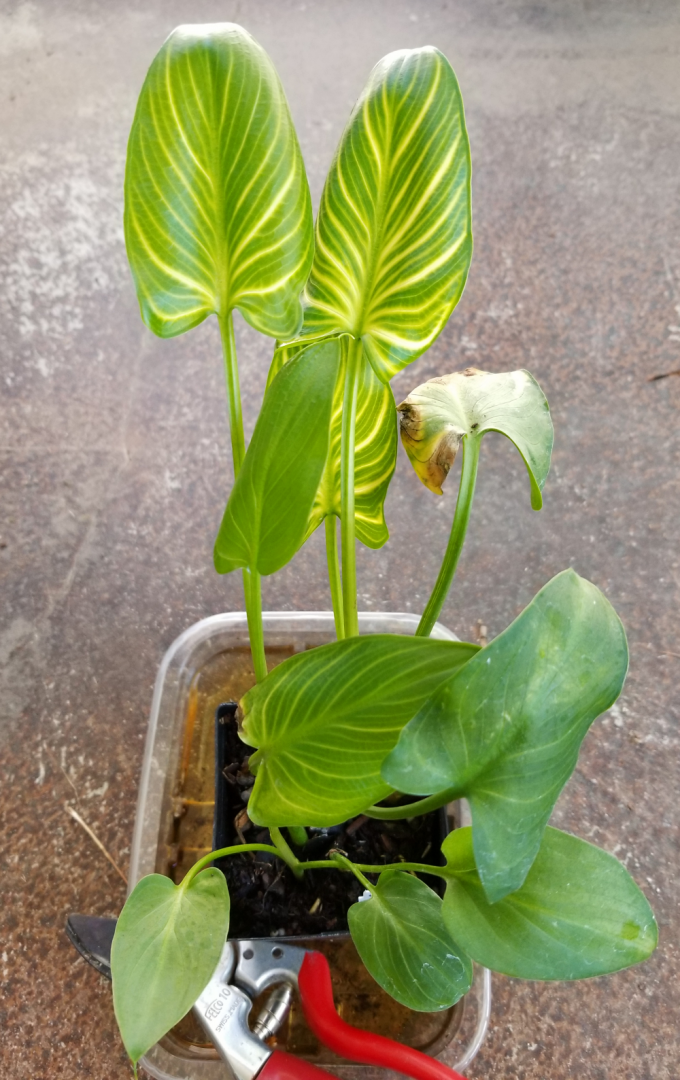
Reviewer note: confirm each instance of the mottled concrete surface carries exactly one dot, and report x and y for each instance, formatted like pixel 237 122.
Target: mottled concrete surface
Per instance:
pixel 114 475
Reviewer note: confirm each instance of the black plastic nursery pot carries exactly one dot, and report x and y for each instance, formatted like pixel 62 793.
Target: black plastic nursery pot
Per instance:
pixel 193 796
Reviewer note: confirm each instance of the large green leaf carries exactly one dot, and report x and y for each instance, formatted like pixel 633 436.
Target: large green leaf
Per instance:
pixel 393 235
pixel 167 943
pixel 578 914
pixel 401 937
pixel 266 519
pixel 217 208
pixel 324 720
pixel 506 730
pixel 438 414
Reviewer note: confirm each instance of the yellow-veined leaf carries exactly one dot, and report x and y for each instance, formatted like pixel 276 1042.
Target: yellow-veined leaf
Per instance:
pixel 375 448
pixel 375 458
pixel 393 235
pixel 323 722
pixel 217 207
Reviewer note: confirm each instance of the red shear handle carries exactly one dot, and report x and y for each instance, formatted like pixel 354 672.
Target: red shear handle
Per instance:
pixel 282 1066
pixel 316 995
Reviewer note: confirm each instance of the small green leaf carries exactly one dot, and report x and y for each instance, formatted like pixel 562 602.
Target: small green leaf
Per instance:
pixel 325 719
pixel 217 207
pixel 167 943
pixel 266 519
pixel 401 938
pixel 438 414
pixel 578 914
pixel 394 237
pixel 506 730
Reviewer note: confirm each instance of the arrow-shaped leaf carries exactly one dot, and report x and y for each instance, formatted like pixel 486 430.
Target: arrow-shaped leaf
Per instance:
pixel 394 240
pixel 505 731
pixel 438 414
pixel 323 722
pixel 401 937
pixel 578 914
pixel 217 207
pixel 266 519
pixel 167 943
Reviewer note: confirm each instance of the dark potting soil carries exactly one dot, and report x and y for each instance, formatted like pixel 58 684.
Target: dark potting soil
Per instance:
pixel 267 900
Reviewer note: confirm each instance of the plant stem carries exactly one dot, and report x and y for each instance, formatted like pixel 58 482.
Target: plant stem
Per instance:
pixel 238 442
pixel 334 574
pixel 285 853
pixel 466 493
pixel 346 864
pixel 251 579
pixel 338 862
pixel 347 523
pixel 414 809
pixel 298 834
pixel 236 849
pixel 253 595
pixel 408 867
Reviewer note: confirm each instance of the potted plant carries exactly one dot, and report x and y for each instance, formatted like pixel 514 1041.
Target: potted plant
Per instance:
pixel 218 217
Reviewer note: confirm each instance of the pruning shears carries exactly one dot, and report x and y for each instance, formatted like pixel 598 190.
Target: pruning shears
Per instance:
pixel 246 970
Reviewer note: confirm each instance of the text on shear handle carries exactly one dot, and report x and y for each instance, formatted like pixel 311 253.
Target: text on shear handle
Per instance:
pixel 215 1007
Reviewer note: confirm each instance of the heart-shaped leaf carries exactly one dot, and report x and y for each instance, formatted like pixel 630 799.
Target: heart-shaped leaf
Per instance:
pixel 217 207
pixel 394 237
pixel 324 720
pixel 401 937
pixel 438 414
pixel 579 913
pixel 267 516
pixel 506 730
pixel 167 943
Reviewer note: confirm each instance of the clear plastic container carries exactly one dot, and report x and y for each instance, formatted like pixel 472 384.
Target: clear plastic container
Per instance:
pixel 209 663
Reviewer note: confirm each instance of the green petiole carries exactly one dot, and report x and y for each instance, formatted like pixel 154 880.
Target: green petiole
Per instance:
pixel 466 491
pixel 337 862
pixel 285 853
pixel 414 809
pixel 251 579
pixel 334 578
pixel 347 522
pixel 235 849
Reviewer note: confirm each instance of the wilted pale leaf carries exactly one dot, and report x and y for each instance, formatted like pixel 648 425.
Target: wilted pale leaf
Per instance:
pixel 438 414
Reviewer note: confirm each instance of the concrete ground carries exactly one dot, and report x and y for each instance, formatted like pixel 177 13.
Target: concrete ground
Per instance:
pixel 113 450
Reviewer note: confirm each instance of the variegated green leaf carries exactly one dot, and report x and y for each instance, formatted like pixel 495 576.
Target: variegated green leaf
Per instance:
pixel 217 208
pixel 375 452
pixel 394 241
pixel 324 720
pixel 375 458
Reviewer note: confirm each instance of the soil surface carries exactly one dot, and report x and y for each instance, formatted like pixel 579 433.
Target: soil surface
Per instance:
pixel 267 900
